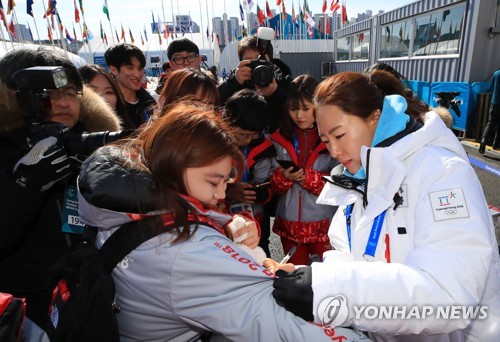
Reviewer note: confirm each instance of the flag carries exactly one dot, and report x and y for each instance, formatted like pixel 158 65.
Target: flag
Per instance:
pixel 294 19
pixel 208 35
pixel 105 9
pixel 242 14
pixel 29 9
pixel 59 22
pixel 68 36
pixel 249 4
pixel 132 40
pixel 301 14
pixel 123 34
pixel 260 15
pixel 10 6
pixel 74 33
pixel 309 19
pixel 310 31
pixel 283 10
pixel 166 33
pixel 51 8
pixel 335 5
pixel 117 36
pixel 142 40
pixel 324 6
pixel 218 39
pixel 328 31
pixel 81 6
pixel 102 31
pixel 77 14
pixel 12 29
pixel 278 2
pixel 159 23
pixel 268 10
pixel 243 31
pixel 105 38
pixel 145 33
pixel 84 33
pixel 49 33
pixel 344 15
pixel 2 16
pixel 154 28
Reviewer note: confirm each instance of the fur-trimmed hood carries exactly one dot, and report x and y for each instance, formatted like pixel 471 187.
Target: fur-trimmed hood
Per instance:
pixel 95 113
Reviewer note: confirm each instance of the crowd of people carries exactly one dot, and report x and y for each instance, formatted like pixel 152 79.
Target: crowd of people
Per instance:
pixel 362 180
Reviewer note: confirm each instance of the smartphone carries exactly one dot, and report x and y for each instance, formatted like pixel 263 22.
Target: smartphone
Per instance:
pixel 286 164
pixel 261 191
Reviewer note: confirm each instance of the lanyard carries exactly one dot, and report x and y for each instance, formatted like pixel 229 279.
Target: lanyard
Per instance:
pixel 371 246
pixel 296 145
pixel 145 114
pixel 245 171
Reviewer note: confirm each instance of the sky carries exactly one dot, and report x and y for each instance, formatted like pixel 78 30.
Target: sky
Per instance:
pixel 137 14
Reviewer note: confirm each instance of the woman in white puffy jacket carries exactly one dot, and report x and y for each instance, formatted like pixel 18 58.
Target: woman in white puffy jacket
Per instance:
pixel 415 257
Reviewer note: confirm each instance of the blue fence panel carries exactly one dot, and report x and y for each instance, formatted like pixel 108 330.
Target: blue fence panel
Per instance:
pixel 421 89
pixel 457 97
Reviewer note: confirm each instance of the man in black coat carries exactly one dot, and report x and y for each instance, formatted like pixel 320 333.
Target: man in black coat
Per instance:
pixel 37 171
pixel 240 78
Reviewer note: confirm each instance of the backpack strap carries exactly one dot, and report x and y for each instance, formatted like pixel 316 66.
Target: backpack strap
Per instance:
pixel 131 235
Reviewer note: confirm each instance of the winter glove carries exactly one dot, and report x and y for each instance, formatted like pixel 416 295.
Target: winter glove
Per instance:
pixel 294 291
pixel 43 166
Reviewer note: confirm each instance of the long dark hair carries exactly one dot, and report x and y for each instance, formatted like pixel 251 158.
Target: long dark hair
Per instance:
pixel 89 72
pixel 187 136
pixel 301 89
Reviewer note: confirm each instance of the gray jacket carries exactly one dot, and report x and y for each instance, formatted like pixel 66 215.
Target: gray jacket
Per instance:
pixel 175 292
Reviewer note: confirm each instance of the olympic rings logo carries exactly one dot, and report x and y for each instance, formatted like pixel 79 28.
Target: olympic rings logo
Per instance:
pixel 451 212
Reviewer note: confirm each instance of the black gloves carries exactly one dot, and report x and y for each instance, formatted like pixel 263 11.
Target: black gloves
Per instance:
pixel 293 290
pixel 43 166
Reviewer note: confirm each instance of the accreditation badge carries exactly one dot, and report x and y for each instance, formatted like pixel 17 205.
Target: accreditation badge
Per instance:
pixel 71 219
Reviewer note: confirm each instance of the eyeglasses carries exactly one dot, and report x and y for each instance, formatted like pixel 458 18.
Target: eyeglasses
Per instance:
pixel 179 60
pixel 69 93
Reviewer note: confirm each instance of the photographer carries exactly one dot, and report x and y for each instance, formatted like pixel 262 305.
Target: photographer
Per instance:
pixel 249 49
pixel 35 172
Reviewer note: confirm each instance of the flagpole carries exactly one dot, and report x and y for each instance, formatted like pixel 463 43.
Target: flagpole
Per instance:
pixel 3 39
pixel 36 29
pixel 174 24
pixel 17 22
pixel 109 21
pixel 226 38
pixel 216 43
pixel 83 40
pixel 208 24
pixel 201 18
pixel 63 37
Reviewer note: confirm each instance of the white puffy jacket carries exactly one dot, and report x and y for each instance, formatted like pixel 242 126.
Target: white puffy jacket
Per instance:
pixel 437 248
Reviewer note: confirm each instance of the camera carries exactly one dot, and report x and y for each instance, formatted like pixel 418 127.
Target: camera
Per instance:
pixel 262 69
pixel 447 99
pixel 32 85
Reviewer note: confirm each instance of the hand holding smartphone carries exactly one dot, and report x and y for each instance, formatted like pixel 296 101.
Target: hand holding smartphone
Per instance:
pixel 261 191
pixel 286 164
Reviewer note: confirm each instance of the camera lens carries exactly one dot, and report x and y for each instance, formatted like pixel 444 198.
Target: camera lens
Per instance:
pixel 262 75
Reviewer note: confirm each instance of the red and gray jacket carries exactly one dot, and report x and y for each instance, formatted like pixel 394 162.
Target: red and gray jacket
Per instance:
pixel 298 217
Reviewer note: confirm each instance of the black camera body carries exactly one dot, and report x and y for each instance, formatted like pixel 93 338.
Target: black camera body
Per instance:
pixel 262 71
pixel 447 99
pixel 33 98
